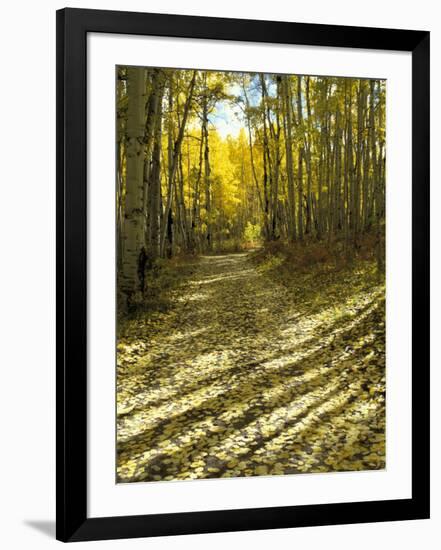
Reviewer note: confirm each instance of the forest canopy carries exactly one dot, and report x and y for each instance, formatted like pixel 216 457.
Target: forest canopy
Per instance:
pixel 211 161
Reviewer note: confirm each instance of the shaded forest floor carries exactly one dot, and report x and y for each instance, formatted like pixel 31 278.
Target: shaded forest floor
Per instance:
pixel 254 369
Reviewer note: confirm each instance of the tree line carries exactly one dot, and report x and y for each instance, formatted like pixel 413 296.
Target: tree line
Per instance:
pixel 308 163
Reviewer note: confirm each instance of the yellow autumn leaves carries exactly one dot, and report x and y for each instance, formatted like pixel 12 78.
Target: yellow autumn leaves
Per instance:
pixel 245 376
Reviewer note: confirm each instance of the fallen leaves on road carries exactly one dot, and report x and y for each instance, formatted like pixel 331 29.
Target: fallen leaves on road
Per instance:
pixel 247 376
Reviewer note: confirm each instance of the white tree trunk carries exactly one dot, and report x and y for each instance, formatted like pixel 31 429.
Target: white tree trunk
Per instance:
pixel 134 233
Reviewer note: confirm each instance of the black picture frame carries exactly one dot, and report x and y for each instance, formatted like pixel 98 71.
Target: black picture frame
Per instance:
pixel 71 428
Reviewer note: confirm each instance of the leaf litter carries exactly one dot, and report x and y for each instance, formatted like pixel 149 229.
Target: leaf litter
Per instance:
pixel 249 373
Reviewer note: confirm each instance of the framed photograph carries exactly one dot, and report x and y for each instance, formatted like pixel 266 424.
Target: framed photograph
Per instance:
pixel 242 275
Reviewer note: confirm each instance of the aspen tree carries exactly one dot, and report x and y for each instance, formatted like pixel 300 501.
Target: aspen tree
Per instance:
pixel 300 156
pixel 174 163
pixel 133 224
pixel 289 161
